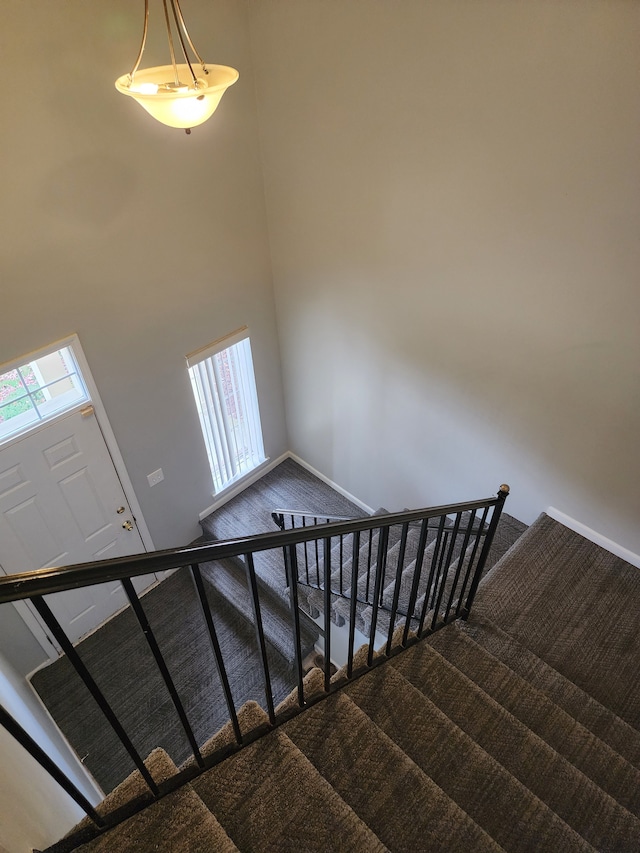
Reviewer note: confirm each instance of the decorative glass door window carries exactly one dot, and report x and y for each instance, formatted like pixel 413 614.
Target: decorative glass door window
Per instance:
pixel 37 390
pixel 224 388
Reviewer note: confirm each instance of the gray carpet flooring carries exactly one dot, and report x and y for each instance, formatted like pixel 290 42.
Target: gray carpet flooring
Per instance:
pixel 287 486
pixel 468 740
pixel 574 605
pixel 119 659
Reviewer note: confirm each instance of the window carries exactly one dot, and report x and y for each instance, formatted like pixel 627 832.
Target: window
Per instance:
pixel 224 388
pixel 36 390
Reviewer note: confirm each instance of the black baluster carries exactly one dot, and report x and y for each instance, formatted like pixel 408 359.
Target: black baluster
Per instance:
pixel 495 518
pixel 306 553
pixel 217 653
pixel 162 667
pixel 315 541
pixel 74 659
pixel 417 572
pixel 327 614
pixel 262 646
pixel 439 547
pixel 366 594
pixel 476 544
pixel 383 542
pixel 292 557
pixel 461 558
pixel 354 600
pixel 398 582
pixel 445 573
pixel 35 751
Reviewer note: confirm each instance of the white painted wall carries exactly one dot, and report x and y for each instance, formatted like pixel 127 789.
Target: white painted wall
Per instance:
pixel 453 214
pixel 145 241
pixel 34 810
pixel 454 210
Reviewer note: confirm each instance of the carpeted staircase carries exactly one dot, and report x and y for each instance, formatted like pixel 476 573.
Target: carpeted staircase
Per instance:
pixel 467 740
pixel 517 730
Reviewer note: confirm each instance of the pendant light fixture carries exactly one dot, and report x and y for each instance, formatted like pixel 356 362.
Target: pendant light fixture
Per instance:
pixel 176 94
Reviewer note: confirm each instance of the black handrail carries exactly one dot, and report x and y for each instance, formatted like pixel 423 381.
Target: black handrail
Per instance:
pixel 455 554
pixel 278 516
pixel 60 578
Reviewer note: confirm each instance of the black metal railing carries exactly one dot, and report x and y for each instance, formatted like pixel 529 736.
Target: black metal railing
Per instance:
pixel 289 519
pixel 418 568
pixel 395 577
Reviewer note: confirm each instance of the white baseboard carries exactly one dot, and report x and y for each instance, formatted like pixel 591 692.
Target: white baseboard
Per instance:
pixel 234 490
pixel 594 536
pixel 267 466
pixel 334 486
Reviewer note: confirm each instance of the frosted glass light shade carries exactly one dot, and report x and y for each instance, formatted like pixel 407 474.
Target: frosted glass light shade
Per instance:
pixel 184 105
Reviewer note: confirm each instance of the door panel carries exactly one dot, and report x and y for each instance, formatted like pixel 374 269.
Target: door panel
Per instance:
pixel 59 501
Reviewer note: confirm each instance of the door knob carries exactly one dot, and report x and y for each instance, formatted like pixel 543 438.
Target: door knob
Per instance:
pixel 128 525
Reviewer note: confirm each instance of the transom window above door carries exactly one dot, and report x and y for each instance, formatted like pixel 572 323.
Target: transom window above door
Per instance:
pixel 38 387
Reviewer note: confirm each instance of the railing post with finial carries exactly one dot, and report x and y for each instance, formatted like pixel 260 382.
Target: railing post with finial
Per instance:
pixel 503 493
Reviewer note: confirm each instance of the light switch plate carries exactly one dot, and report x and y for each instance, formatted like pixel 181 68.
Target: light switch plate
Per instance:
pixel 155 477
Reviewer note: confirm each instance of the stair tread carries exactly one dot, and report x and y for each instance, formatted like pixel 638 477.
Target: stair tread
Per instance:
pixel 603 722
pixel 159 764
pixel 595 758
pixel 429 571
pixel 227 577
pixel 312 685
pixel 497 801
pixel 180 823
pixel 366 561
pixel 403 806
pixel 250 717
pixel 286 806
pixel 579 801
pixel 367 557
pixel 576 606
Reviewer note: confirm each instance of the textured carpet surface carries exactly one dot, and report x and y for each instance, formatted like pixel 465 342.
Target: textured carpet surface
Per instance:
pixel 476 738
pixel 179 823
pixel 385 788
pixel 584 708
pixel 460 767
pixel 574 605
pixel 575 798
pixel 596 759
pixel 286 806
pixel 159 765
pixel 119 659
pixel 287 486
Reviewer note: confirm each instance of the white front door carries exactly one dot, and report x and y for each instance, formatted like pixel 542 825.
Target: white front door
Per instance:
pixel 61 502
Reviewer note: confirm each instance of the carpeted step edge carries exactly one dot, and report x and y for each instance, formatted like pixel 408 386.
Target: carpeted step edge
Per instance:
pixel 570 793
pixel 180 823
pixel 408 810
pixel 604 723
pixel 592 756
pixel 269 796
pixel 459 766
pixel 227 579
pixel 160 766
pixel 312 685
pixel 251 717
pixel 181 811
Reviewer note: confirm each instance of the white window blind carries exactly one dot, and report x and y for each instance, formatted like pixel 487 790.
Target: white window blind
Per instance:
pixel 224 388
